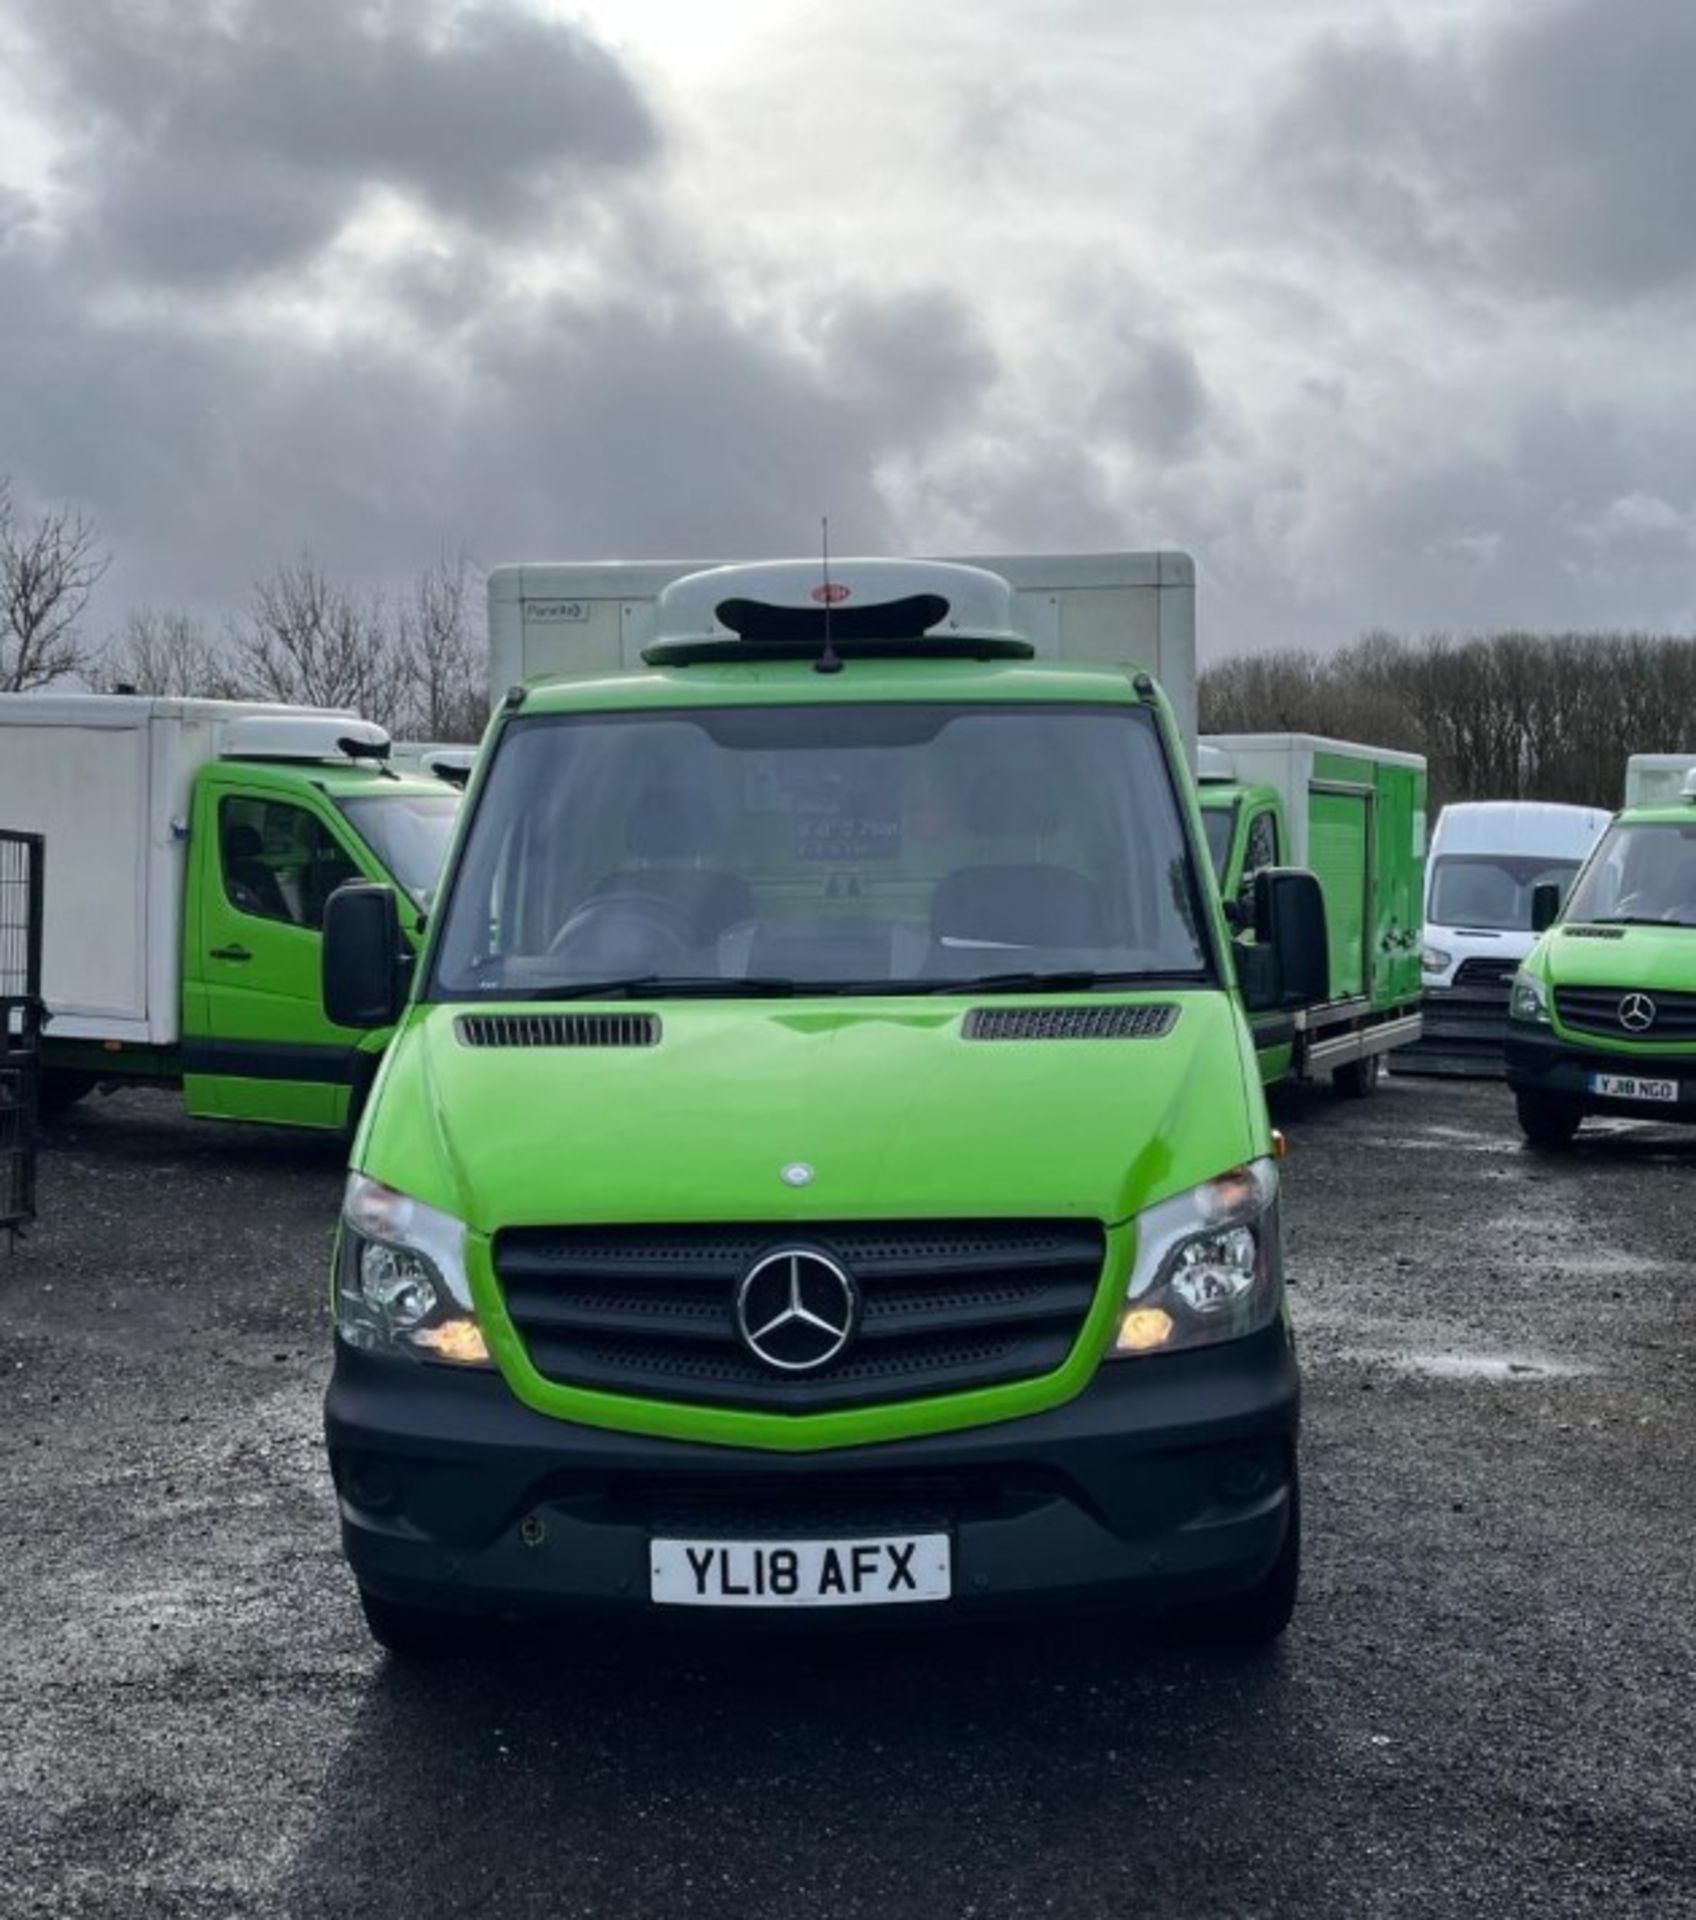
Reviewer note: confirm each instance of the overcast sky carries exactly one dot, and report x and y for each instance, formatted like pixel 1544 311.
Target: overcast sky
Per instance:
pixel 1383 313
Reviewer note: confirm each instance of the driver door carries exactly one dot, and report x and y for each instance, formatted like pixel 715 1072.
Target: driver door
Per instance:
pixel 256 1043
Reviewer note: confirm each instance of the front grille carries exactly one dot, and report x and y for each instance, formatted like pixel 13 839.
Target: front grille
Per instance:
pixel 1597 1010
pixel 946 1306
pixel 1486 973
pixel 1070 1023
pixel 558 1029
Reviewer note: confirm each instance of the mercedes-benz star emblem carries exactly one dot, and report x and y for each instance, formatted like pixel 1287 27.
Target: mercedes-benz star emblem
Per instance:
pixel 1637 1013
pixel 796 1309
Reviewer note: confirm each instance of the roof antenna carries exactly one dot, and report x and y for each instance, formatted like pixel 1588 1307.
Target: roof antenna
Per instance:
pixel 830 661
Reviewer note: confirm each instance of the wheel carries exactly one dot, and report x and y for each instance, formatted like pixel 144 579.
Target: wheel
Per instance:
pixel 1546 1120
pixel 1360 1077
pixel 60 1089
pixel 1256 1618
pixel 411 1633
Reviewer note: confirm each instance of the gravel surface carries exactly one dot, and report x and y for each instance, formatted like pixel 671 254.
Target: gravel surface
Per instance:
pixel 1486 1705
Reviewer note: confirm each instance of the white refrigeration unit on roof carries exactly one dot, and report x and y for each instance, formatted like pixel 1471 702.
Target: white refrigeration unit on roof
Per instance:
pixel 1131 609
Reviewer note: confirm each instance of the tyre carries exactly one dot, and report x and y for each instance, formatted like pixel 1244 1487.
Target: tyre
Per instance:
pixel 60 1089
pixel 411 1633
pixel 1547 1121
pixel 1360 1077
pixel 1255 1619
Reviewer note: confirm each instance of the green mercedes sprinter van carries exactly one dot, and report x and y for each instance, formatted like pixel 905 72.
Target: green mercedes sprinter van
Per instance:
pixel 1603 1015
pixel 821 1160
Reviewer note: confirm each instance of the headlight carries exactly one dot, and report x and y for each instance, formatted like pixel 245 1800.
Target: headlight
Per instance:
pixel 1209 1266
pixel 400 1279
pixel 1434 960
pixel 1530 999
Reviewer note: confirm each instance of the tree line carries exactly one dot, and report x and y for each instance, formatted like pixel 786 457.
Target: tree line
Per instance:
pixel 1504 716
pixel 411 659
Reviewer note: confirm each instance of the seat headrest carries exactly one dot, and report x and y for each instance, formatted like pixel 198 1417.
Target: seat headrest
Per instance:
pixel 242 842
pixel 672 822
pixel 1010 800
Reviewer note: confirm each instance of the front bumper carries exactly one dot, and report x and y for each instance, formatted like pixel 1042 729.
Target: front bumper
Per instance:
pixel 1540 1061
pixel 1464 1032
pixel 1169 1478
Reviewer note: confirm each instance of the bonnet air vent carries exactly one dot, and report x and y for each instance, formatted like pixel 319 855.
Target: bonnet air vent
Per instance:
pixel 1070 1023
pixel 1592 933
pixel 558 1029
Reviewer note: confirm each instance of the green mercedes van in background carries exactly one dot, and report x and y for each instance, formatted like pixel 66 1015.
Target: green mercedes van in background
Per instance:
pixel 1603 1016
pixel 821 1160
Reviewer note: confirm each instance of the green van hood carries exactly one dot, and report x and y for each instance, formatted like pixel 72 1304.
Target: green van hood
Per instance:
pixel 1623 957
pixel 895 1111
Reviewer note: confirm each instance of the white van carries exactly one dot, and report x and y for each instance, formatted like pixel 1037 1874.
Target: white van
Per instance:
pixel 1486 859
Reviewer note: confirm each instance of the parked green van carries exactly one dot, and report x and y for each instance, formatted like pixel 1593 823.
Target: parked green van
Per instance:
pixel 1603 1017
pixel 821 1159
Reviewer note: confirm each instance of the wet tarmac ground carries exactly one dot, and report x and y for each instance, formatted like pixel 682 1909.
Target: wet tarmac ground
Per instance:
pixel 1486 1706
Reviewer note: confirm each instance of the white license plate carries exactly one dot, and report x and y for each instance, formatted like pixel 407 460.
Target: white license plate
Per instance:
pixel 801 1573
pixel 1627 1086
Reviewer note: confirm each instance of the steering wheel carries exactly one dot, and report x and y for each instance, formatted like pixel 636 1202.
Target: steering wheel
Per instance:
pixel 657 921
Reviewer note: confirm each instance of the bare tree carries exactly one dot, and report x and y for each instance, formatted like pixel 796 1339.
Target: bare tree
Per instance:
pixel 168 653
pixel 315 643
pixel 440 662
pixel 1503 716
pixel 49 567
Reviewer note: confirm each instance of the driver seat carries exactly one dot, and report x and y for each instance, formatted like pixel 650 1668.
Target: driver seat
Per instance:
pixel 671 830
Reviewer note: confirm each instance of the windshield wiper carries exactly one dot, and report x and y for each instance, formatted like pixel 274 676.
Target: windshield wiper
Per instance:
pixel 645 986
pixel 1637 920
pixel 1072 980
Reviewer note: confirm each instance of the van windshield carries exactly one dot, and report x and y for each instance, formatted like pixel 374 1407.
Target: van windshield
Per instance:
pixel 1218 823
pixel 1640 874
pixel 867 848
pixel 409 833
pixel 1492 891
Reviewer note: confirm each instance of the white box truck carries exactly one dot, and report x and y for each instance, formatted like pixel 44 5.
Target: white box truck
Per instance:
pixel 190 845
pixel 1657 779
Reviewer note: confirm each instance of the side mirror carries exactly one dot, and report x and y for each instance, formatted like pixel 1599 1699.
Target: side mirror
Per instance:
pixel 1290 963
pixel 365 962
pixel 1545 906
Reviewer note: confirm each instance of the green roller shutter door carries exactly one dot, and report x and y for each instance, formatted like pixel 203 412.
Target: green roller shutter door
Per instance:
pixel 1338 842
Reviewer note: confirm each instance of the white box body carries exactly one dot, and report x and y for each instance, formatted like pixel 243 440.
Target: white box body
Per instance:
pixel 107 779
pixel 588 617
pixel 1657 779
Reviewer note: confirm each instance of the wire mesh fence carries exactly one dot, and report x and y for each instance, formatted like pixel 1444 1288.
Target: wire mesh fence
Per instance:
pixel 21 863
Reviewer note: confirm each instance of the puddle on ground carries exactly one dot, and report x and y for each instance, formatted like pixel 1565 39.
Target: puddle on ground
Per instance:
pixel 1458 1364
pixel 1449 1143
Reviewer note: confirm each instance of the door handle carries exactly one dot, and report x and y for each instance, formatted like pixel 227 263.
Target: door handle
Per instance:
pixel 230 953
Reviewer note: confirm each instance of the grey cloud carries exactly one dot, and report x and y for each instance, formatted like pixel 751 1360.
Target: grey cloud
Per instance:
pixel 548 428
pixel 218 138
pixel 915 357
pixel 1158 401
pixel 1567 517
pixel 1547 152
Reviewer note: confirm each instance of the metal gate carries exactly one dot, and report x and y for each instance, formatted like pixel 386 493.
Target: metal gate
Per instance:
pixel 20 1024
